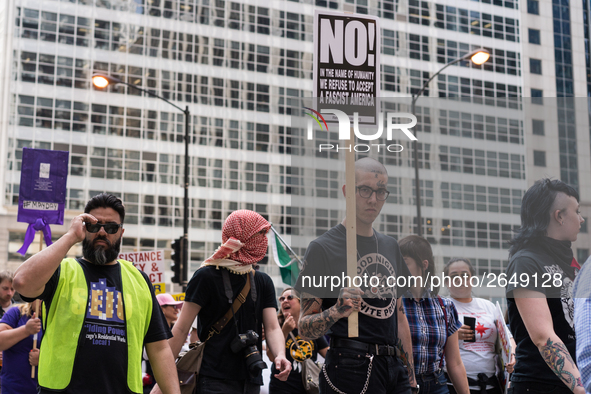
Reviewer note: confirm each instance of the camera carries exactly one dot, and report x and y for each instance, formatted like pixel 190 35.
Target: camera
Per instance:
pixel 248 343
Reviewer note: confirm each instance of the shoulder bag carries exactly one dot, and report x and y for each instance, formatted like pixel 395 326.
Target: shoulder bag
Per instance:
pixel 310 372
pixel 189 364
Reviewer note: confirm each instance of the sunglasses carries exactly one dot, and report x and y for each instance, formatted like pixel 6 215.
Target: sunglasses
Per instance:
pixel 110 228
pixel 288 298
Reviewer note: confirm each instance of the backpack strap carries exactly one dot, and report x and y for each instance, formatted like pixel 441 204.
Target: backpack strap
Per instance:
pixel 445 316
pixel 220 324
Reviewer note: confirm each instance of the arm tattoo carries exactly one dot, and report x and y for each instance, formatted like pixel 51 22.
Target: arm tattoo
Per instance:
pixel 313 323
pixel 407 361
pixel 557 357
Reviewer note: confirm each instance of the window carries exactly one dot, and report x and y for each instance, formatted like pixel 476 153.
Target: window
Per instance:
pixel 536 96
pixel 539 158
pixel 534 36
pixel 533 7
pixel 538 127
pixel 535 66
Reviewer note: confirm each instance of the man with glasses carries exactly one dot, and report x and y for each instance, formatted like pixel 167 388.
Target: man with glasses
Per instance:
pixel 99 311
pixel 380 359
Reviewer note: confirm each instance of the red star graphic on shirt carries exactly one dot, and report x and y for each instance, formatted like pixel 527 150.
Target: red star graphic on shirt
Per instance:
pixel 480 329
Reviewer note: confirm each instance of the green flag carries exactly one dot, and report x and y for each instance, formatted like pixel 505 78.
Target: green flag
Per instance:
pixel 287 266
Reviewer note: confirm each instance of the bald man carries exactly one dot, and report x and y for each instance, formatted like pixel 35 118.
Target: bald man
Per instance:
pixel 380 359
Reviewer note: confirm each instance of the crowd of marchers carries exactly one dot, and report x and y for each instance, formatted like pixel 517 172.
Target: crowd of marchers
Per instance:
pixel 93 324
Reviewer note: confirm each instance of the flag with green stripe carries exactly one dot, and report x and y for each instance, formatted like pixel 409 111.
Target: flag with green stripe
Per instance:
pixel 287 266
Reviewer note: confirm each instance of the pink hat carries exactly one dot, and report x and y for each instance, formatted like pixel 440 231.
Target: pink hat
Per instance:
pixel 166 299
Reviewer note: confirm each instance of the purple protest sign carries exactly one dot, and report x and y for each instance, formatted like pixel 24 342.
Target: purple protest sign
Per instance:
pixel 42 193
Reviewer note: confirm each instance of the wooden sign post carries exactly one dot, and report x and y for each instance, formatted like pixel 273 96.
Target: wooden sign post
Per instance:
pixel 351 227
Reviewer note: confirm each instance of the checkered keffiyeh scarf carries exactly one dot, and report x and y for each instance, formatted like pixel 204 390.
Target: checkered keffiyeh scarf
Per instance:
pixel 244 238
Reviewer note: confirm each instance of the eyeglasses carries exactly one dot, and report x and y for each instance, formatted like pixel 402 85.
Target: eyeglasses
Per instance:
pixel 110 228
pixel 366 192
pixel 288 298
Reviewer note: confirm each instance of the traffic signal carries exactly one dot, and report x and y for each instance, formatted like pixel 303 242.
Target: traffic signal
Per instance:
pixel 177 256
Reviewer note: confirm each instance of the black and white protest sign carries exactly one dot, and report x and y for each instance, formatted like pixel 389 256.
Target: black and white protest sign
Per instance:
pixel 347 63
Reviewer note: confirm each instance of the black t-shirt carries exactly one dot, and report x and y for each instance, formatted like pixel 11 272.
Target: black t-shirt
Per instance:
pixel 530 262
pixel 378 257
pixel 101 364
pixel 308 349
pixel 206 289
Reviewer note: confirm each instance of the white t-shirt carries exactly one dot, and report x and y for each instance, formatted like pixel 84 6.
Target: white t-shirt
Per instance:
pixel 479 356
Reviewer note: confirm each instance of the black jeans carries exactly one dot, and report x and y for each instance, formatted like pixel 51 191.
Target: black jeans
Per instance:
pixel 348 370
pixel 433 383
pixel 537 388
pixel 494 390
pixel 209 385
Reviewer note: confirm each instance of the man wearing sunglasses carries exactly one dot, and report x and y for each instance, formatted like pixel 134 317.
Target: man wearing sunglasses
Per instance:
pixel 380 359
pixel 99 311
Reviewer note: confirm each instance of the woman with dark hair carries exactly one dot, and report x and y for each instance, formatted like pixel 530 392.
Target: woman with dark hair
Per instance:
pixel 296 349
pixel 540 277
pixel 433 323
pixel 477 347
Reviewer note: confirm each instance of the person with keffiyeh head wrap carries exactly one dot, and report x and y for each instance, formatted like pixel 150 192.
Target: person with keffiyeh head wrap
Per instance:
pixel 244 243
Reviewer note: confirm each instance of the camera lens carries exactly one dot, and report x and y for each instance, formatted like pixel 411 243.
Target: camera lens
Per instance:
pixel 254 361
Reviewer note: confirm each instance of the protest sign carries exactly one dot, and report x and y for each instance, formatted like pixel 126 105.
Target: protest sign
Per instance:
pixel 347 64
pixel 504 336
pixel 152 263
pixel 42 192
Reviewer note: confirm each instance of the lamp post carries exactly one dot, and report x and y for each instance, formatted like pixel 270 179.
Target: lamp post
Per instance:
pixel 479 56
pixel 101 81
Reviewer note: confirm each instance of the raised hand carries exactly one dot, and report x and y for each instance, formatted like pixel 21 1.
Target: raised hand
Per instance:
pixel 289 323
pixel 77 227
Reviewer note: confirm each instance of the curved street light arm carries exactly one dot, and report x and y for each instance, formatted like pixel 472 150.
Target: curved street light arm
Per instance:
pixel 117 80
pixel 416 96
pixel 415 145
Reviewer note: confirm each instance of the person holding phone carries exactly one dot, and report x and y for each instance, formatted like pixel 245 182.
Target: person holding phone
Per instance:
pixel 478 334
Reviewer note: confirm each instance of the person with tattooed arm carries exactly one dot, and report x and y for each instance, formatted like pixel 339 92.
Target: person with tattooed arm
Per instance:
pixel 380 359
pixel 540 279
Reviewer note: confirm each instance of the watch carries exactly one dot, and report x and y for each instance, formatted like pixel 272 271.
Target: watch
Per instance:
pixel 415 390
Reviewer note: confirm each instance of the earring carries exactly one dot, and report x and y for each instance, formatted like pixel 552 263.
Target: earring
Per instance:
pixel 562 223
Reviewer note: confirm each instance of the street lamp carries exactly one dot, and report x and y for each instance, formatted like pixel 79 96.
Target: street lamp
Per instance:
pixel 479 56
pixel 101 81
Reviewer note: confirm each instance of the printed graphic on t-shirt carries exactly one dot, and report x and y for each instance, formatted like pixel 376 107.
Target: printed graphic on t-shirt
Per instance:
pixel 306 350
pixel 566 291
pixel 377 269
pixel 105 317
